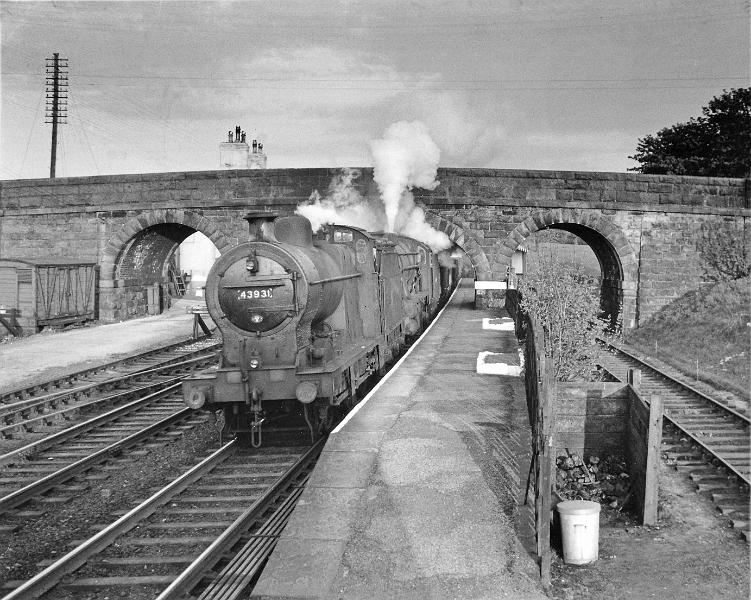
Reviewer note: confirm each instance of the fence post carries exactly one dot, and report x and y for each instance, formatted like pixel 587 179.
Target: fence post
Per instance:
pixel 633 378
pixel 654 439
pixel 546 467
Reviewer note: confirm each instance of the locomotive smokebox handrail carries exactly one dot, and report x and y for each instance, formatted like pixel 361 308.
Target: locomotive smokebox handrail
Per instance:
pixel 339 278
pixel 261 281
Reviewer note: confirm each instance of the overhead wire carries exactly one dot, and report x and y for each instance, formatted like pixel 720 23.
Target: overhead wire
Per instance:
pixel 82 130
pixel 697 14
pixel 215 81
pixel 550 20
pixel 42 95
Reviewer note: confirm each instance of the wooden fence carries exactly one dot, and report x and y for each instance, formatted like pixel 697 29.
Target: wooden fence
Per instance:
pixel 540 394
pixel 588 418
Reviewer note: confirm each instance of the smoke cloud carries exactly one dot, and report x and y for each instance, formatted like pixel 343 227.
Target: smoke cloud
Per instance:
pixel 405 157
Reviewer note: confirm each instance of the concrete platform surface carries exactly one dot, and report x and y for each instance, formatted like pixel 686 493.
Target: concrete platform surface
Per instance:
pixel 417 495
pixel 36 358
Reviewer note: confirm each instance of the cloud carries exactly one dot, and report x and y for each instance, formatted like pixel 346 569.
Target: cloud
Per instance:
pixel 566 151
pixel 319 79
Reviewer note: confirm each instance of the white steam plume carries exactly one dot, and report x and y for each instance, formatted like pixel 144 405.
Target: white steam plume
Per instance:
pixel 404 158
pixel 343 205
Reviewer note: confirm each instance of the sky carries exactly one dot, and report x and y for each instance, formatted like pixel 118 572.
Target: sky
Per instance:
pixel 509 84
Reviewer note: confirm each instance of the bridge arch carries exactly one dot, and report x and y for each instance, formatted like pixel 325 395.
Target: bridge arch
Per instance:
pixel 136 257
pixel 465 241
pixel 618 261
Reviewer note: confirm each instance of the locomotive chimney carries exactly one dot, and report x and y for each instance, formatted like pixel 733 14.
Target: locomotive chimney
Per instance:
pixel 259 226
pixel 295 230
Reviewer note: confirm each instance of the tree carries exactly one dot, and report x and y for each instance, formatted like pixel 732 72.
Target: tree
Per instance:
pixel 716 144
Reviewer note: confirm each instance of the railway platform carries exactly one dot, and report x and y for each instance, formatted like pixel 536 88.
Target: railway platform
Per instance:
pixel 28 360
pixel 418 493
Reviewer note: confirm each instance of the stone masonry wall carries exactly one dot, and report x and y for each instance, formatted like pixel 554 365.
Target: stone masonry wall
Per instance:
pixel 653 220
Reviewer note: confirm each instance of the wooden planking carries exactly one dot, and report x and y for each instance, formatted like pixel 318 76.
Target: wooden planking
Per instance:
pixel 48 293
pixel 654 440
pixel 591 418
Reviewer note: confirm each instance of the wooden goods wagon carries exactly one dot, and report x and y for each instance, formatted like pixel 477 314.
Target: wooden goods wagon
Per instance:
pixel 45 292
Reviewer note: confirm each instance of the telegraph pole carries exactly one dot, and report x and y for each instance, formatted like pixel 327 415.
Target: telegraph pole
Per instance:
pixel 57 100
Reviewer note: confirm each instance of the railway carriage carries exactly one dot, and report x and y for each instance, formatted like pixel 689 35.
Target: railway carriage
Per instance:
pixel 307 320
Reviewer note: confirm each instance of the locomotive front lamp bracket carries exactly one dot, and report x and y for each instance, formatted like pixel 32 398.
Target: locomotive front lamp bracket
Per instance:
pixel 251 262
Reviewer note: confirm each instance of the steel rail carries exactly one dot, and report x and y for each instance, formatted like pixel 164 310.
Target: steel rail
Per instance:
pixel 70 432
pixel 49 577
pixel 29 390
pixel 65 413
pixel 685 428
pixel 708 448
pixel 8 410
pixel 193 574
pixel 240 571
pixel 48 482
pixel 683 384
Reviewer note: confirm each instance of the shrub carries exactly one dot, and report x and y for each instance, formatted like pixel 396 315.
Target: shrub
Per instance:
pixel 724 253
pixel 566 304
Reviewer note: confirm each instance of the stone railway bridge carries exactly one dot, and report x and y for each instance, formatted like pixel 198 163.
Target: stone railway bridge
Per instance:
pixel 644 229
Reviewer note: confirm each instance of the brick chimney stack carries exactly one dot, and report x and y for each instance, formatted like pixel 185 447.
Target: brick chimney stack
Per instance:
pixel 235 153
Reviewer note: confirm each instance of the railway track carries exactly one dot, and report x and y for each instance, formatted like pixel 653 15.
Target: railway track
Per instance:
pixel 207 533
pixel 705 437
pixel 101 373
pixel 29 473
pixel 77 394
pixel 51 448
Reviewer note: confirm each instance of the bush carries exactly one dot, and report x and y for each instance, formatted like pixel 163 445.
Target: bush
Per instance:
pixel 723 252
pixel 566 304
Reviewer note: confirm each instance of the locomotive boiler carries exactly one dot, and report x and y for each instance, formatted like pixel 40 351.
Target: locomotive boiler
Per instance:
pixel 307 320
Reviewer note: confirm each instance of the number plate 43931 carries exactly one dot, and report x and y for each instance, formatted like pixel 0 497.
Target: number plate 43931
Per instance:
pixel 255 294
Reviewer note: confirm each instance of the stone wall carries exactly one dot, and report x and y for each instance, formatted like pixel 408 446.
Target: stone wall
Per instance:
pixel 644 228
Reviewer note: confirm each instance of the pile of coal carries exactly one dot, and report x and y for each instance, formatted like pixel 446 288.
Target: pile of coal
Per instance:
pixel 600 480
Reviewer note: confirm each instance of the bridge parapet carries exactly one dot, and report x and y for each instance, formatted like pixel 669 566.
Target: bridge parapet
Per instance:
pixel 643 228
pixel 476 187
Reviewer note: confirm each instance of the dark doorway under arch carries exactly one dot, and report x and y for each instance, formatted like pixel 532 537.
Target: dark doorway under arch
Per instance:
pixel 610 272
pixel 617 260
pixel 135 266
pixel 145 269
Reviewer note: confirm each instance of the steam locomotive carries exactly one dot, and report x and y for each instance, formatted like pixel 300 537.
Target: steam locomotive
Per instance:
pixel 306 320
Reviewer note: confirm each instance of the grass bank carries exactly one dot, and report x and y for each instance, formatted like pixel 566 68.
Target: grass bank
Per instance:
pixel 704 333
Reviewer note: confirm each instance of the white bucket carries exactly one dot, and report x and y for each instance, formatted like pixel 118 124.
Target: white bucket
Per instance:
pixel 580 530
